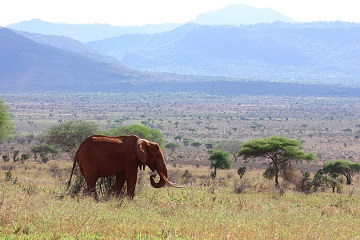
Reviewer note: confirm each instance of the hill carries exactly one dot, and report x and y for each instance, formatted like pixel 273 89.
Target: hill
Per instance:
pixel 235 14
pixel 239 14
pixel 87 32
pixel 27 65
pixel 68 44
pixel 323 52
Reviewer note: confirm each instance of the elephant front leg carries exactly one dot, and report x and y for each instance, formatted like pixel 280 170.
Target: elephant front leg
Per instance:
pixel 119 183
pixel 131 184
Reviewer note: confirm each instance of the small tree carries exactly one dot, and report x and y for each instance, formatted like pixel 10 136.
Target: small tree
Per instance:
pixel 15 154
pixel 24 157
pixel 43 151
pixel 342 167
pixel 172 146
pixel 68 136
pixel 5 122
pixel 196 144
pixel 322 181
pixel 280 151
pixel 241 171
pixel 219 160
pixel 6 158
pixel 140 131
pixel 231 146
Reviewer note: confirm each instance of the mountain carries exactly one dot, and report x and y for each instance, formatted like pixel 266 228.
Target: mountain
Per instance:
pixel 68 44
pixel 35 62
pixel 28 65
pixel 87 32
pixel 235 14
pixel 322 52
pixel 238 14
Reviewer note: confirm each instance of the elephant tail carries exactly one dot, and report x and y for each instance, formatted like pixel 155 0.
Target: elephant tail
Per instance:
pixel 72 171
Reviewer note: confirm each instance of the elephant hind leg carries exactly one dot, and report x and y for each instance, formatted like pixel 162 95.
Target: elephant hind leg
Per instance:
pixel 91 187
pixel 119 183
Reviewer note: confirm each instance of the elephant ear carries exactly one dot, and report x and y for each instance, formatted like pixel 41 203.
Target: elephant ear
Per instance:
pixel 141 150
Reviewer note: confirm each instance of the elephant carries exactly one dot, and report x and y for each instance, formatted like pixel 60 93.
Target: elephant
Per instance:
pixel 104 156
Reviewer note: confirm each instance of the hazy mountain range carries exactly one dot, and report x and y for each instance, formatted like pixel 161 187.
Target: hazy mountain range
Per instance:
pixel 239 14
pixel 273 58
pixel 88 32
pixel 232 15
pixel 306 53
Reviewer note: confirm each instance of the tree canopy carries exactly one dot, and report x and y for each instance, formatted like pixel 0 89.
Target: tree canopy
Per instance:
pixel 172 146
pixel 68 136
pixel 140 131
pixel 342 167
pixel 5 121
pixel 280 151
pixel 231 146
pixel 219 160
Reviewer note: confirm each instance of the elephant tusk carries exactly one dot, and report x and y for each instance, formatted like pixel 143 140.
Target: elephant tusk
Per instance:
pixel 168 182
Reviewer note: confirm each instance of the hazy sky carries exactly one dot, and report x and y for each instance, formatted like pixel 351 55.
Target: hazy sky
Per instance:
pixel 140 12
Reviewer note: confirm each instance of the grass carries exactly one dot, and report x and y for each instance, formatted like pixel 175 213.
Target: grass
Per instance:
pixel 32 206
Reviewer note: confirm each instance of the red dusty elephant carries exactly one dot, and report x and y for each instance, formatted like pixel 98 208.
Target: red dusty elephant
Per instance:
pixel 103 156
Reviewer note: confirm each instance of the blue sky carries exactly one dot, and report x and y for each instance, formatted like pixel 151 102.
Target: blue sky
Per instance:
pixel 141 12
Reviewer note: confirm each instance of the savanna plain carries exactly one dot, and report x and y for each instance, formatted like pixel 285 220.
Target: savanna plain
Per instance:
pixel 36 204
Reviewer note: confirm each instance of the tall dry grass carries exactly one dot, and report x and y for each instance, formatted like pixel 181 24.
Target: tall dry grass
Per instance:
pixel 33 206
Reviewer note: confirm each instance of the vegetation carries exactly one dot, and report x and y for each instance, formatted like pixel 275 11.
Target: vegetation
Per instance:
pixel 280 151
pixel 68 136
pixel 5 122
pixel 342 167
pixel 43 150
pixel 35 202
pixel 34 207
pixel 140 131
pixel 219 160
pixel 172 146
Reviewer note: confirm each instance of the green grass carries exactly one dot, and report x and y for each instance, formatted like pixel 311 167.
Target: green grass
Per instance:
pixel 32 207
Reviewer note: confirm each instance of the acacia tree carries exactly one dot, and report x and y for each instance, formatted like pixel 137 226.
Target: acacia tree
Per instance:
pixel 219 160
pixel 68 136
pixel 231 146
pixel 342 167
pixel 43 151
pixel 279 151
pixel 172 146
pixel 5 122
pixel 139 130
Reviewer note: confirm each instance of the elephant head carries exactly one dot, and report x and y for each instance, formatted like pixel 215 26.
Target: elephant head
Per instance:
pixel 150 154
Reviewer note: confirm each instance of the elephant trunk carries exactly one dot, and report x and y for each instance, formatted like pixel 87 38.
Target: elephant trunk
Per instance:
pixel 162 181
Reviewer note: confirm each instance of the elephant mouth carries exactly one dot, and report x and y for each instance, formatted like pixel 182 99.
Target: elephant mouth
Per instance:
pixel 164 178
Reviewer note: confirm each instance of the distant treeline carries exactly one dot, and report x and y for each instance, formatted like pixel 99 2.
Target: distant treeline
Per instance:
pixel 235 88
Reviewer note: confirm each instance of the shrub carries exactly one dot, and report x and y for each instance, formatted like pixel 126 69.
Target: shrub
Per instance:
pixel 6 158
pixel 242 185
pixel 269 173
pixel 305 183
pixel 241 171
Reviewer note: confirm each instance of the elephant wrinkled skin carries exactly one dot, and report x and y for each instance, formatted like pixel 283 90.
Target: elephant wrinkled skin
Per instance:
pixel 104 156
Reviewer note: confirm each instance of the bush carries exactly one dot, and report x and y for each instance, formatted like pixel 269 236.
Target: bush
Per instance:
pixel 269 173
pixel 8 175
pixel 305 183
pixel 241 171
pixel 6 158
pixel 104 187
pixel 78 185
pixel 242 185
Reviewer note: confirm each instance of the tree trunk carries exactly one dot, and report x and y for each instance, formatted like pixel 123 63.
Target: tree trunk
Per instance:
pixel 277 185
